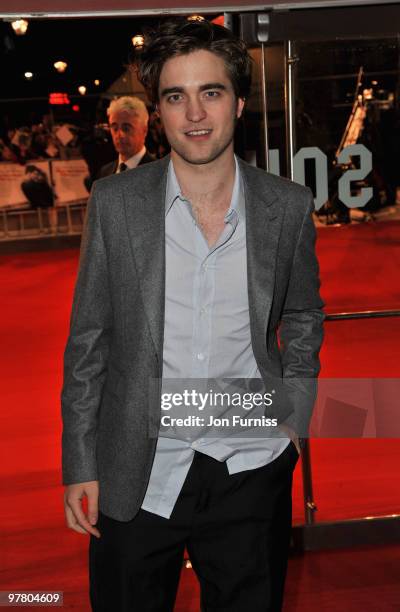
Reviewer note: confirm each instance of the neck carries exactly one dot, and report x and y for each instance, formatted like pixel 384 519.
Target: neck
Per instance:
pixel 206 184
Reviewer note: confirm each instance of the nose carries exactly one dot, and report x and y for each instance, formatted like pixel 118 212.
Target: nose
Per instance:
pixel 195 110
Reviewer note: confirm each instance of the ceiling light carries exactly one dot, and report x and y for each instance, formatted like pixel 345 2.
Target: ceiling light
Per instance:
pixel 138 41
pixel 60 66
pixel 19 26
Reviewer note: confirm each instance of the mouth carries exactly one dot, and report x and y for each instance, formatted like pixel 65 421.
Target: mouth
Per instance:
pixel 198 134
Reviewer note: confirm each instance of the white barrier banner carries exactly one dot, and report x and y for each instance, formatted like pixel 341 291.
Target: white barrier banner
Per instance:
pixel 11 177
pixel 68 177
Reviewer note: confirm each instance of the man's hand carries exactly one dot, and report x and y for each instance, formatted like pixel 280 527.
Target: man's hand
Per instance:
pixel 74 514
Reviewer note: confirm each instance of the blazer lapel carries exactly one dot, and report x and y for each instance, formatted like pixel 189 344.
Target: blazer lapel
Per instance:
pixel 264 211
pixel 144 200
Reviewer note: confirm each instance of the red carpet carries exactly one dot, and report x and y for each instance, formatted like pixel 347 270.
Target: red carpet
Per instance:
pixel 359 268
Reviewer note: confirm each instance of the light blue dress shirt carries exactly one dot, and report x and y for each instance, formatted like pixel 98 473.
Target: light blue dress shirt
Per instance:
pixel 206 336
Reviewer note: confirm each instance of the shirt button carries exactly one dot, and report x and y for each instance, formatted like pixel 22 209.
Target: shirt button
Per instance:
pixel 203 310
pixel 200 356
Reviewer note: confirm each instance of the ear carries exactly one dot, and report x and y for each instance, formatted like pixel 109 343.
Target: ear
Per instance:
pixel 239 107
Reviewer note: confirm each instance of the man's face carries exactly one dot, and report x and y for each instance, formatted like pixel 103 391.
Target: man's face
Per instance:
pixel 128 132
pixel 36 176
pixel 198 107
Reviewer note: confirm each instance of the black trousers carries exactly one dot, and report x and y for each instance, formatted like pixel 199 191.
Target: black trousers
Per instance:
pixel 236 529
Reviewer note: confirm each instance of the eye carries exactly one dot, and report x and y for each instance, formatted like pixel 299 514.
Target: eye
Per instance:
pixel 173 98
pixel 212 94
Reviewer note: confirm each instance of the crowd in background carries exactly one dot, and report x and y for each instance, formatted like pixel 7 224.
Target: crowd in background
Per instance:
pixel 45 141
pixel 48 139
pixel 39 141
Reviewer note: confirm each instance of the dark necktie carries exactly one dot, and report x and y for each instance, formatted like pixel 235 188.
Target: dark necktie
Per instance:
pixel 122 167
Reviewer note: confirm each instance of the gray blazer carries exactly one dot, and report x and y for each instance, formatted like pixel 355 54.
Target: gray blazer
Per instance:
pixel 110 409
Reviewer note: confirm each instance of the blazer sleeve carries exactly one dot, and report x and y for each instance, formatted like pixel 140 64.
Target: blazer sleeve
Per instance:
pixel 86 353
pixel 301 329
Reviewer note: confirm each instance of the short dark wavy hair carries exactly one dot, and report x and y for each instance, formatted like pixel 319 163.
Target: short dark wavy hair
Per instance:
pixel 181 36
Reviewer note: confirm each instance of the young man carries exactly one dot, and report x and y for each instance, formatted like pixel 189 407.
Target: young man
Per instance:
pixel 128 119
pixel 188 267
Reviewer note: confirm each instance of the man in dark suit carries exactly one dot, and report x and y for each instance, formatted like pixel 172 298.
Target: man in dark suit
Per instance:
pixel 36 188
pixel 190 267
pixel 128 119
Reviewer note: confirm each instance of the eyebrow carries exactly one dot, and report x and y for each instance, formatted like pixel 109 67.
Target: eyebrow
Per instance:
pixel 171 90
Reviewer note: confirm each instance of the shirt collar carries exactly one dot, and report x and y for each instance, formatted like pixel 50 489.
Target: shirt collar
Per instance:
pixel 133 161
pixel 237 206
pixel 173 191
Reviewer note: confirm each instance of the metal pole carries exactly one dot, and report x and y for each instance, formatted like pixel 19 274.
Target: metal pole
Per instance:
pixel 290 105
pixel 309 504
pixel 290 111
pixel 264 106
pixel 228 21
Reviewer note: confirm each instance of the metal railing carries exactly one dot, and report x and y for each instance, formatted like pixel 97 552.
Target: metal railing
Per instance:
pixel 315 535
pixel 25 223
